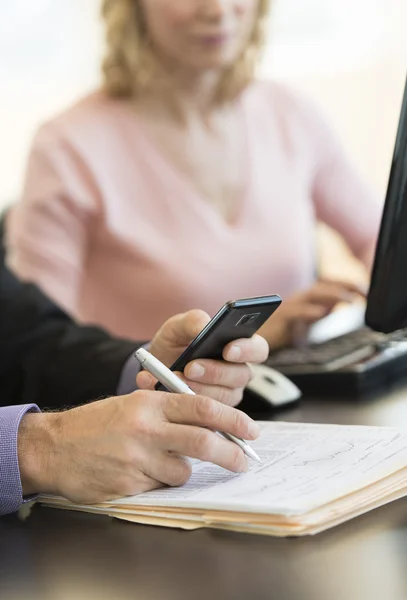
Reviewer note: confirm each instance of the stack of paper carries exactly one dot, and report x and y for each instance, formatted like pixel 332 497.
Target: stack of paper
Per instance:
pixel 312 477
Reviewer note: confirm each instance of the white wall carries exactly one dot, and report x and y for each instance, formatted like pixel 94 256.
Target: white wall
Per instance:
pixel 49 51
pixel 349 55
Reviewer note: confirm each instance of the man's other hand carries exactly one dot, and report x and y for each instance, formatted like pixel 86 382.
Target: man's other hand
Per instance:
pixel 222 380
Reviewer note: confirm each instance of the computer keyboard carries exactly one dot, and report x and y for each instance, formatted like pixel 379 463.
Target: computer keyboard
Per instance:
pixel 330 355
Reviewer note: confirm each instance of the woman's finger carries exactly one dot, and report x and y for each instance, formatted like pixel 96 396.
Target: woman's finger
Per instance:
pixel 357 288
pixel 328 294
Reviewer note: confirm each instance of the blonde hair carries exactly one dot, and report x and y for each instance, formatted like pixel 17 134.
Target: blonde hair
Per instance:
pixel 129 67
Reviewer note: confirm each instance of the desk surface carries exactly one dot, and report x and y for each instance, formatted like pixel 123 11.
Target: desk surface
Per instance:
pixel 57 555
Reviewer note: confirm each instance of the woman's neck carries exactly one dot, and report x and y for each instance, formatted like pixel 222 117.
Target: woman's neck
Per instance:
pixel 184 94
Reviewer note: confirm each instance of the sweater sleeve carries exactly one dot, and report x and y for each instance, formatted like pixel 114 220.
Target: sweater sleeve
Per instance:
pixel 342 199
pixel 48 229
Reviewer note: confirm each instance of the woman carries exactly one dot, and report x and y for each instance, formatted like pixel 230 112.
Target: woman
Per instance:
pixel 187 174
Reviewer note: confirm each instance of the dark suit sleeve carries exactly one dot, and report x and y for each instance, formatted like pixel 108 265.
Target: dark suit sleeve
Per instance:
pixel 45 358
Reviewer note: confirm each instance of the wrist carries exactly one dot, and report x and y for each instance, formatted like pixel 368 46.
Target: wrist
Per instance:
pixel 37 452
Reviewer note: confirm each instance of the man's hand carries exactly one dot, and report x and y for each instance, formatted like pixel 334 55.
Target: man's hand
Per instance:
pixel 224 381
pixel 127 445
pixel 297 314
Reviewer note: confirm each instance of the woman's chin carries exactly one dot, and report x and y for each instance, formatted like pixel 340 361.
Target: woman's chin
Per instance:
pixel 213 63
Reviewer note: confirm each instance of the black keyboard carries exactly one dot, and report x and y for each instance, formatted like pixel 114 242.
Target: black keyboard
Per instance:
pixel 329 355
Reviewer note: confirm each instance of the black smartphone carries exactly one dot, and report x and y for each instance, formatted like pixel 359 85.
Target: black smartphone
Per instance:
pixel 235 320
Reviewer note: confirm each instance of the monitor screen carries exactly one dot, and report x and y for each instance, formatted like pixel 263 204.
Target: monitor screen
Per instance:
pixel 387 299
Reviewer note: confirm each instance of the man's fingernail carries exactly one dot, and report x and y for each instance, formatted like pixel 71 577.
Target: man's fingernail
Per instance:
pixel 254 429
pixel 196 371
pixel 234 353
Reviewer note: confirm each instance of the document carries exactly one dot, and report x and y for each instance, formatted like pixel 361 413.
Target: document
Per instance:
pixel 308 473
pixel 302 466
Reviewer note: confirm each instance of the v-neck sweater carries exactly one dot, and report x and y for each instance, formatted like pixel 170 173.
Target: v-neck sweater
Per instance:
pixel 111 230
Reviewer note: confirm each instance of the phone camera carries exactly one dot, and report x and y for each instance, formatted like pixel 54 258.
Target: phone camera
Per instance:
pixel 247 320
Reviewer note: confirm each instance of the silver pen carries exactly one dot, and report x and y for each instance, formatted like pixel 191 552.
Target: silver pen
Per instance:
pixel 174 384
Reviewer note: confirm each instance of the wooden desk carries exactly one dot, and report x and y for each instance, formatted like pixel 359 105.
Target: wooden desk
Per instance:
pixel 64 556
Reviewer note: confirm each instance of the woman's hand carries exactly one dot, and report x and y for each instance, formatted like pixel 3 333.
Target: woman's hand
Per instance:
pixel 299 312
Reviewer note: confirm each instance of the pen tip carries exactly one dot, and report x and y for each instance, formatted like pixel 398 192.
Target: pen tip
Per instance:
pixel 254 455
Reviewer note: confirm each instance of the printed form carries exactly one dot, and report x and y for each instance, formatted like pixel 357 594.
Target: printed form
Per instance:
pixel 304 466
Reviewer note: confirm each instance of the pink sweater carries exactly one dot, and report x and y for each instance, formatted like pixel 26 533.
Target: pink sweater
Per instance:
pixel 115 235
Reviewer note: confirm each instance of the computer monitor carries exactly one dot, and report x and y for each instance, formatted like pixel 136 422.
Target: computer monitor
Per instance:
pixel 386 309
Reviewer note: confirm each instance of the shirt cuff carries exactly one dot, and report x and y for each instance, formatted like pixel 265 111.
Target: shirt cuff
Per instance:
pixel 131 369
pixel 11 493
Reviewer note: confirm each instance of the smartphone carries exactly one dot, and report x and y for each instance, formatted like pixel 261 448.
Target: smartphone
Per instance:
pixel 235 320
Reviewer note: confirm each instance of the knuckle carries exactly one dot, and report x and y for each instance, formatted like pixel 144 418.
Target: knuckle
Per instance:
pixel 236 458
pixel 143 425
pixel 138 415
pixel 180 473
pixel 171 402
pixel 224 396
pixel 174 405
pixel 241 423
pixel 202 444
pixel 206 409
pixel 215 372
